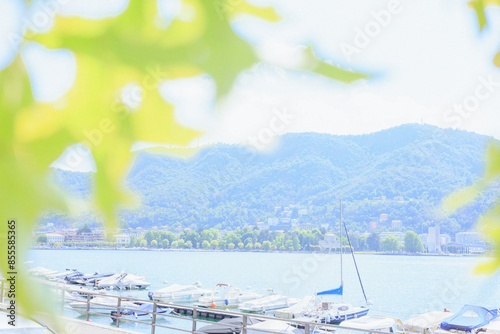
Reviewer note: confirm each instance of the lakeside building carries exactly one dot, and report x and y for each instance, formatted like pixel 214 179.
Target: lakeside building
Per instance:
pixel 469 238
pixel 122 238
pixel 262 226
pixel 433 239
pixel 330 241
pixel 54 238
pixel 396 223
pixel 85 237
pixel 273 221
pixel 469 243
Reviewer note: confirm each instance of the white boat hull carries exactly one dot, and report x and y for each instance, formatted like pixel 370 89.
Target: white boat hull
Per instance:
pixel 223 303
pixel 269 303
pixel 178 298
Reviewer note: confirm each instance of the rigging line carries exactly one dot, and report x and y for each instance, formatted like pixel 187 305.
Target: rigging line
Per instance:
pixel 355 264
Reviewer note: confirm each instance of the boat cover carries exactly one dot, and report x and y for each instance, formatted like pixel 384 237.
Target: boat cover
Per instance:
pixel 470 317
pixel 368 322
pixel 227 326
pixel 145 309
pixel 492 327
pixel 273 326
pixel 337 291
pixel 427 320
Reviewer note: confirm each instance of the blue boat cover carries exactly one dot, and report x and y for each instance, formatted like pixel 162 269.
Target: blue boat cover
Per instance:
pixel 470 317
pixel 145 309
pixel 337 291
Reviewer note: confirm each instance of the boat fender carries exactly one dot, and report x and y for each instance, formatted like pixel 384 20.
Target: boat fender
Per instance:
pixel 150 295
pixel 213 304
pixel 227 302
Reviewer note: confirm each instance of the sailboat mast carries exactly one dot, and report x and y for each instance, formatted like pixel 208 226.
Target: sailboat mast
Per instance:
pixel 341 251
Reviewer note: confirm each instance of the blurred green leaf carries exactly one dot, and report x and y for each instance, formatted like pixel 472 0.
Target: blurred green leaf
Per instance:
pixel 479 7
pixel 496 60
pixel 461 197
pixel 490 226
pixel 137 47
pixel 26 190
pixel 493 162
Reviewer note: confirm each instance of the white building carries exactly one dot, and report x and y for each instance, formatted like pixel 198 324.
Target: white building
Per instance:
pixel 469 238
pixel 329 242
pixel 54 237
pixel 433 239
pixel 273 221
pixel 122 238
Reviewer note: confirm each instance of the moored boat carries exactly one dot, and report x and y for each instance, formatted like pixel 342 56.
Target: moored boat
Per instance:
pixel 123 281
pixel 268 303
pixel 101 305
pixel 227 326
pixel 469 318
pixel 179 293
pixel 370 323
pixel 225 296
pixel 143 312
pixel 296 310
pixel 329 312
pixel 426 321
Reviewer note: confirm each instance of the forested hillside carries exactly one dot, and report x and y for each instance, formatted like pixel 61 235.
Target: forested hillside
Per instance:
pixel 402 172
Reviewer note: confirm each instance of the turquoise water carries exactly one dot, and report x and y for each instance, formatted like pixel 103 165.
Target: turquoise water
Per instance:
pixel 399 286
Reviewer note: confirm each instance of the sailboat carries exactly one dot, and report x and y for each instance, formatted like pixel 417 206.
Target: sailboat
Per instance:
pixel 335 312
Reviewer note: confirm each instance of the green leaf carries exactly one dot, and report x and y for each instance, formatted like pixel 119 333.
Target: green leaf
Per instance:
pixel 492 162
pixel 331 71
pixel 461 197
pixel 490 227
pixel 478 6
pixel 496 60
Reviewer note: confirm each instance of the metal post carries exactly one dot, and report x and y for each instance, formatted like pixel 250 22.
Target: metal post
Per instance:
pixel 195 315
pixel 118 312
pixel 153 322
pixel 88 306
pixel 244 329
pixel 306 329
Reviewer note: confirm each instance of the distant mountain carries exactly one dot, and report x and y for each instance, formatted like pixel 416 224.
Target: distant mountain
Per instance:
pixel 403 172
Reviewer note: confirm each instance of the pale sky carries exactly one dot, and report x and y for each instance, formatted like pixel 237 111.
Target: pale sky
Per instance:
pixel 428 60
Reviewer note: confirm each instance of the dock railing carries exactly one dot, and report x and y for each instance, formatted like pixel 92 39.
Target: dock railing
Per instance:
pixel 193 314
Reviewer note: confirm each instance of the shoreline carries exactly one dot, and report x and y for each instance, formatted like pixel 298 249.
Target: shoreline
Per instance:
pixel 260 251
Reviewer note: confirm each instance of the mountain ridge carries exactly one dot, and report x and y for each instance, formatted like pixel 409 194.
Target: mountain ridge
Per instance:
pixel 228 186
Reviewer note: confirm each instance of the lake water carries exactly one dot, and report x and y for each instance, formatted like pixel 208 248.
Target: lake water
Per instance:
pixel 398 286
